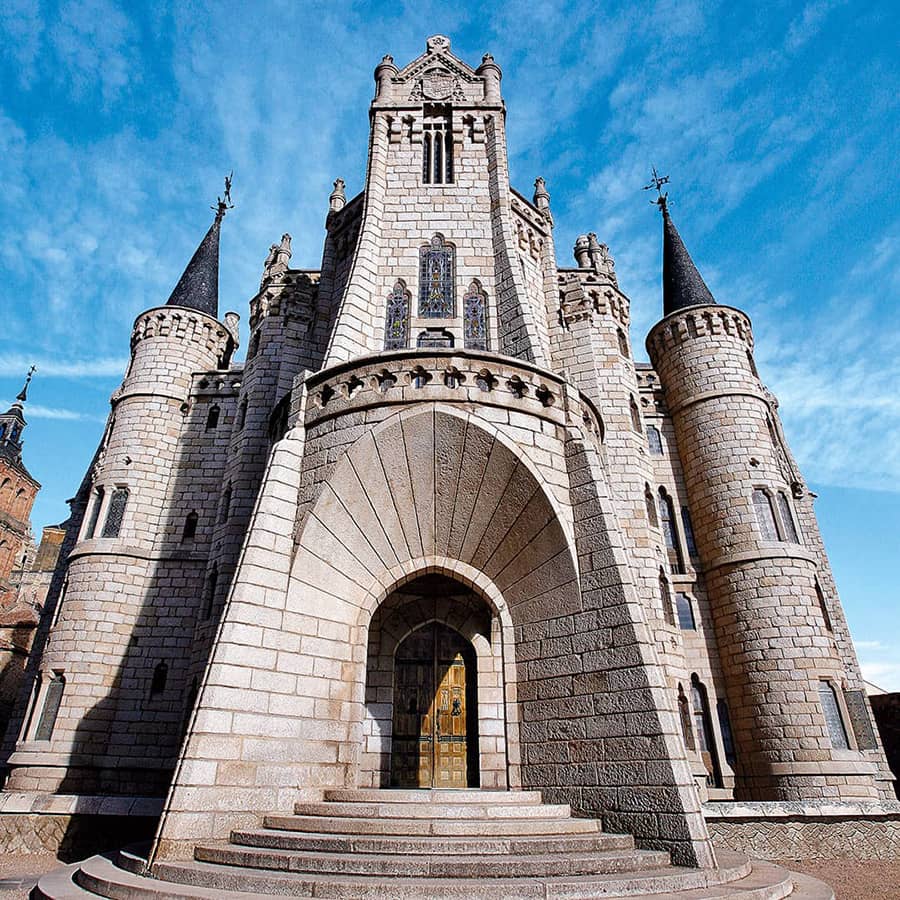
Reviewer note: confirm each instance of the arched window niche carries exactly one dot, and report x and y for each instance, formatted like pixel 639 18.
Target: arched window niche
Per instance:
pixel 396 321
pixel 437 278
pixel 475 336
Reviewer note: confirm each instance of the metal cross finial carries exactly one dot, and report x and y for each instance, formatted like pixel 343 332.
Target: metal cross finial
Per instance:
pixel 23 394
pixel 657 182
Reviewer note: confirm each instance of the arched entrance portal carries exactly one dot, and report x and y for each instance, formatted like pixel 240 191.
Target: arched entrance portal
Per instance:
pixel 435 710
pixel 435 726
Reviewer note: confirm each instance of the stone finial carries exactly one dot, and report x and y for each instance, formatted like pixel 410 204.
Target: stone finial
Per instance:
pixel 283 254
pixel 232 320
pixel 438 43
pixel 338 199
pixel 491 73
pixel 582 252
pixel 541 195
pixel 384 73
pixel 595 252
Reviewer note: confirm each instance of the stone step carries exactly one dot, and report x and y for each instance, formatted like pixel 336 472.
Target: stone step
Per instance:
pixel 429 866
pixel 734 879
pixel 350 843
pixel 435 795
pixel 436 827
pixel 441 810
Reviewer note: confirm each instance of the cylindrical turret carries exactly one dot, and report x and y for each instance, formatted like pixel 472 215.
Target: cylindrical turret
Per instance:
pixel 782 671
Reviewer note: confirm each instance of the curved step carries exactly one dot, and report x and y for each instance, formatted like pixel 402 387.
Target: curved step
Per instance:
pixel 436 795
pixel 433 810
pixel 416 866
pixel 525 844
pixel 442 827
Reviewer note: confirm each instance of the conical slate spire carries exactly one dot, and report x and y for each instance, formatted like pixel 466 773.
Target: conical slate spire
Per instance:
pixel 683 285
pixel 198 287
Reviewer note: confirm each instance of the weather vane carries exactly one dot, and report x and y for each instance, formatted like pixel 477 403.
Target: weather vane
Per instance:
pixel 222 206
pixel 23 394
pixel 657 182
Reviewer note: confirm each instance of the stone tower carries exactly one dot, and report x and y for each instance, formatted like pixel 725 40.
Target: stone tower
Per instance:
pixel 791 677
pixel 115 719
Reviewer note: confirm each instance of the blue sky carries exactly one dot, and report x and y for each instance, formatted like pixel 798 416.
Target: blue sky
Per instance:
pixel 777 122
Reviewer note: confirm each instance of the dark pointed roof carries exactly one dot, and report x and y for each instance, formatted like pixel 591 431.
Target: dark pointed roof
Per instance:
pixel 683 285
pixel 198 287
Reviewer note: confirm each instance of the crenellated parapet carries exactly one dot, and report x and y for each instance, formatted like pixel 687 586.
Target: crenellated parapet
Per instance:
pixel 700 322
pixel 289 294
pixel 183 325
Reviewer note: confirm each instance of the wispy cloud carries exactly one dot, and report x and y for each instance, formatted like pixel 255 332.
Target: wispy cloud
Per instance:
pixel 35 411
pixel 104 367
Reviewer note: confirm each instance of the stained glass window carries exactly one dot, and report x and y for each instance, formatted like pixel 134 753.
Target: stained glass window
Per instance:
pixel 836 731
pixel 396 325
pixel 765 515
pixel 654 441
pixel 475 321
pixel 669 530
pixel 116 514
pixel 436 280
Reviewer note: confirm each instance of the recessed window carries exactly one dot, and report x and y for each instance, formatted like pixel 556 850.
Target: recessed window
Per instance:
pixel 650 505
pixel 212 583
pixel 158 682
pixel 437 146
pixel 396 325
pixel 212 417
pixel 623 343
pixel 727 734
pixel 684 715
pixel 670 531
pixel 95 513
pixel 438 338
pixel 765 515
pixel 654 441
pixel 686 621
pixel 831 709
pixel 242 414
pixel 190 527
pixel 826 618
pixel 225 509
pixel 116 513
pixel 665 598
pixel 787 518
pixel 52 703
pixel 688 531
pixel 635 415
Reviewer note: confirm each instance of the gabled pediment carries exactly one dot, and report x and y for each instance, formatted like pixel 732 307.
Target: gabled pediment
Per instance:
pixel 437 63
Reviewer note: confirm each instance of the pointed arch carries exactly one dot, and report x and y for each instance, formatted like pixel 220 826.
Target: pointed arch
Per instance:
pixel 396 321
pixel 475 333
pixel 437 279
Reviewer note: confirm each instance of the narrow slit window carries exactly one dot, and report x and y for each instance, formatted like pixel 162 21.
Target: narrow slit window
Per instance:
pixel 212 417
pixel 190 527
pixel 225 510
pixel 116 514
pixel 158 682
pixel 650 505
pixel 688 531
pixel 727 734
pixel 787 519
pixel 684 714
pixel 831 709
pixel 826 618
pixel 765 515
pixel 242 414
pixel 212 583
pixel 665 598
pixel 670 531
pixel 437 145
pixel 623 343
pixel 635 415
pixel 52 703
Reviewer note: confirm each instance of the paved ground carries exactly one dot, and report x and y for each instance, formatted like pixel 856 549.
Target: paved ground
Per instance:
pixel 851 879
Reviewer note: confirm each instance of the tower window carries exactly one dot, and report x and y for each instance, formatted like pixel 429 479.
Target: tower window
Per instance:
pixel 190 527
pixel 837 733
pixel 650 505
pixel 826 618
pixel 665 598
pixel 437 146
pixel 396 325
pixel 765 515
pixel 212 583
pixel 703 728
pixel 95 514
pixel 225 510
pixel 684 714
pixel 475 318
pixel 437 278
pixel 787 519
pixel 670 531
pixel 686 621
pixel 623 343
pixel 52 702
pixel 114 517
pixel 158 682
pixel 688 531
pixel 725 729
pixel 242 414
pixel 654 441
pixel 212 417
pixel 635 415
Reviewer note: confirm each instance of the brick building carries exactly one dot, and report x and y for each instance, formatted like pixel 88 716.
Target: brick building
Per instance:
pixel 441 530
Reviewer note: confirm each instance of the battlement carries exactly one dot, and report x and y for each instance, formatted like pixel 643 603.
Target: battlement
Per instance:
pixel 182 324
pixel 696 322
pixel 289 293
pixel 584 293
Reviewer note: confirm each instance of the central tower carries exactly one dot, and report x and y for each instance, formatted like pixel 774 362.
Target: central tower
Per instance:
pixel 430 260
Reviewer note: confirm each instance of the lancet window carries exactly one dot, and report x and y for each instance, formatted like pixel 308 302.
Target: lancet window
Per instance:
pixel 95 513
pixel 396 323
pixel 475 318
pixel 654 441
pixel 437 146
pixel 837 733
pixel 52 702
pixel 436 279
pixel 787 518
pixel 765 515
pixel 669 530
pixel 114 517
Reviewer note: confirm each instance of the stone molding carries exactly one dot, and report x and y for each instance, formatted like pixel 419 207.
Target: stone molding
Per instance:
pixel 698 321
pixel 182 324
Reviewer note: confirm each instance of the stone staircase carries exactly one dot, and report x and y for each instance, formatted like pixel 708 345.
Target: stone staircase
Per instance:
pixel 416 845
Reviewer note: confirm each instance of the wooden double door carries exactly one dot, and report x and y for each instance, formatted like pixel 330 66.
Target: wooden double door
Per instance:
pixel 434 724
